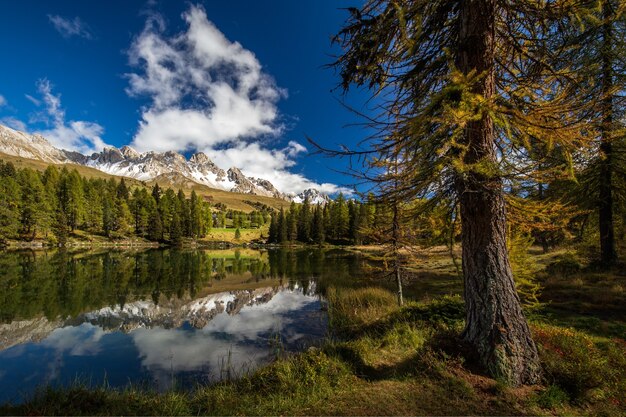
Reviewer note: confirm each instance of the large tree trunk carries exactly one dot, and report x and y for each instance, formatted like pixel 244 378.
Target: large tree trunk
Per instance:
pixel 495 324
pixel 607 233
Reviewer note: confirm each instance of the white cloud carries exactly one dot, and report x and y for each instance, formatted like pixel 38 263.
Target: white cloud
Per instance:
pixel 80 136
pixel 272 165
pixel 215 89
pixel 33 100
pixel 70 27
pixel 210 94
pixel 3 101
pixel 14 123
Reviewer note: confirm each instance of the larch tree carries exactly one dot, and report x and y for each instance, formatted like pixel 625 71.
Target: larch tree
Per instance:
pixel 598 48
pixel 464 89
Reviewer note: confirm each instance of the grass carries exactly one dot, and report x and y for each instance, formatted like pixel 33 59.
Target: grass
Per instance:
pixel 79 238
pixel 385 360
pixel 228 235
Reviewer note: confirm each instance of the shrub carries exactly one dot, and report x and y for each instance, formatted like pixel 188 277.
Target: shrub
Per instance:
pixel 553 396
pixel 564 265
pixel 312 370
pixel 571 360
pixel 448 311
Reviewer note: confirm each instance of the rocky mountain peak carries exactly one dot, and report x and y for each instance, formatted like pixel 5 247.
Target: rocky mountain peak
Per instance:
pixel 127 162
pixel 235 175
pixel 174 156
pixel 242 183
pixel 200 158
pixel 313 195
pixel 266 185
pixel 129 153
pixel 109 155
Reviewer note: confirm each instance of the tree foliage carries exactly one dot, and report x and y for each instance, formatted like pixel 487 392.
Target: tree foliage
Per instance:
pixel 54 204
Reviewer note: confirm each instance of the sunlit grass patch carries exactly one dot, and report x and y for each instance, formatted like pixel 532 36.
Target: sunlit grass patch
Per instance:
pixel 351 309
pixel 589 369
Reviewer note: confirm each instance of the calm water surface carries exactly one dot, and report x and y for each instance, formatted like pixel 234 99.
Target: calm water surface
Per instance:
pixel 157 318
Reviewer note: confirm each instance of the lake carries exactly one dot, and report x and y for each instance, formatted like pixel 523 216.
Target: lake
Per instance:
pixel 158 318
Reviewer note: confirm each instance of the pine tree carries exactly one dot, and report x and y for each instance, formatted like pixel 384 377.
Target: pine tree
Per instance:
pixel 9 212
pixel 273 232
pixel 123 218
pixel 339 218
pixel 317 227
pixel 155 226
pixel 61 228
pixel 108 215
pixel 71 197
pixel 354 223
pixel 283 233
pixel 156 193
pixel 176 232
pixel 122 191
pixel 597 47
pixel 304 222
pixel 292 223
pixel 466 87
pixel 93 208
pixel 35 211
pixel 195 213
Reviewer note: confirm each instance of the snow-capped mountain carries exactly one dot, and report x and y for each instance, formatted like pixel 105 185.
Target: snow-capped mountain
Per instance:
pixel 313 195
pixel 127 162
pixel 13 142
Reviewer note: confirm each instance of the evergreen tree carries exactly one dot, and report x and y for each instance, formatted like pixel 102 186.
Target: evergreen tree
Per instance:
pixel 354 223
pixel 60 228
pixel 155 225
pixel 108 215
pixel 317 227
pixel 35 211
pixel 339 218
pixel 123 217
pixel 283 234
pixel 597 47
pixel 304 222
pixel 9 211
pixel 71 197
pixel 50 179
pixel 466 87
pixel 156 193
pixel 292 222
pixel 273 232
pixel 122 191
pixel 176 232
pixel 195 213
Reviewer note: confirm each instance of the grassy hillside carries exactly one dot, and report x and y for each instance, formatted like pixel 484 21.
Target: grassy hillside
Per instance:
pixel 235 201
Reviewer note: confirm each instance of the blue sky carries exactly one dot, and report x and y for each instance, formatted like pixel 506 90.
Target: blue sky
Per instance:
pixel 241 80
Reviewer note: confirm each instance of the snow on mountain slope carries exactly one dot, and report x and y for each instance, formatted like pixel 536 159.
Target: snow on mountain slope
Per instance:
pixel 313 195
pixel 127 162
pixel 13 142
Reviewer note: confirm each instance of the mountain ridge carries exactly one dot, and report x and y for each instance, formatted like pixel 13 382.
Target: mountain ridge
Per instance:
pixel 149 166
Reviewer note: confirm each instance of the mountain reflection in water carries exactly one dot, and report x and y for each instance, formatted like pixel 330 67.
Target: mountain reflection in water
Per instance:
pixel 152 318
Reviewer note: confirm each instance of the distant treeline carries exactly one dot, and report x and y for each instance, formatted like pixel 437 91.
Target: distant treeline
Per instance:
pixel 57 202
pixel 353 222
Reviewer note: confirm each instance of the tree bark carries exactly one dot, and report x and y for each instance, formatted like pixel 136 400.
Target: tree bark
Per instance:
pixel 495 324
pixel 608 254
